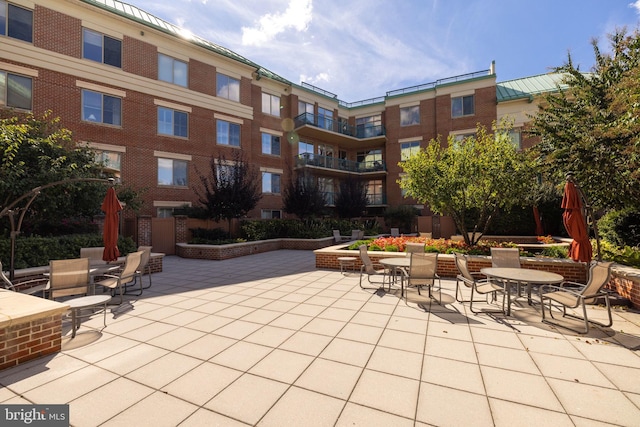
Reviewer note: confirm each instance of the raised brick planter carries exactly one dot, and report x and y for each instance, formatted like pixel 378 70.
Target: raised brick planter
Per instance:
pixel 30 327
pixel 625 280
pixel 234 250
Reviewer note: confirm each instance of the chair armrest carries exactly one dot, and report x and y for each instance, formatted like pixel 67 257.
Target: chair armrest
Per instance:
pixel 571 284
pixel 543 289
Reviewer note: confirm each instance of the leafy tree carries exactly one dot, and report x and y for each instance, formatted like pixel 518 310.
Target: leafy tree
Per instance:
pixel 231 189
pixel 592 129
pixel 351 201
pixel 303 198
pixel 476 176
pixel 35 151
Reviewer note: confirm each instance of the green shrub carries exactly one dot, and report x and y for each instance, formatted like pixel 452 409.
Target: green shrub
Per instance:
pixel 213 234
pixel 625 255
pixel 391 248
pixel 38 251
pixel 555 252
pixel 621 227
pixel 401 216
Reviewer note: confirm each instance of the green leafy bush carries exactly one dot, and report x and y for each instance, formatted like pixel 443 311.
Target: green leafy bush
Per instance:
pixel 204 234
pixel 401 216
pixel 38 251
pixel 621 227
pixel 623 255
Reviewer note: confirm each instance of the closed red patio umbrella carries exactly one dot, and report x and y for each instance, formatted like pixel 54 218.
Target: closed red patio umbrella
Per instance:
pixel 111 207
pixel 575 224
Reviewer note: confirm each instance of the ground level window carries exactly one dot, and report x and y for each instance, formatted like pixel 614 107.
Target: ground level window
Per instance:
pixel 270 214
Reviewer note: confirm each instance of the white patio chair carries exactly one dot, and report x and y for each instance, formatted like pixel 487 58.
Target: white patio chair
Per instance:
pixel 118 282
pixel 29 287
pixel 371 269
pixel 573 295
pixel 422 272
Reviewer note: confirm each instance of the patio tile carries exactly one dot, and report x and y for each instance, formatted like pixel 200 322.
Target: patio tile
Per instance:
pixel 207 346
pixel 205 417
pixel 270 336
pixel 202 383
pixel 518 387
pixel 306 343
pixel 324 326
pixel 209 323
pixel 453 374
pixel 510 414
pixel 176 338
pixel 556 345
pixel 396 362
pixel 132 359
pixel 248 399
pixel 114 397
pixel 330 378
pixel 235 311
pixel 407 324
pixel 291 321
pixel 158 409
pixel 238 329
pixel 624 378
pixel 362 333
pixel 38 372
pixel 346 351
pixel 599 351
pixel 460 332
pixel 150 331
pixel 493 337
pixel 300 407
pixel 163 370
pixel 446 406
pixel 388 393
pixel 281 365
pixel 307 310
pixel 371 319
pixel 211 307
pixel 564 368
pixel 340 314
pixel 402 341
pixel 458 350
pixel 506 358
pixel 161 313
pixel 241 356
pixel 358 415
pixel 587 401
pixel 71 386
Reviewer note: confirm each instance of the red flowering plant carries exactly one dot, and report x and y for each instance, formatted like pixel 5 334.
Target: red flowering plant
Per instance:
pixel 443 246
pixel 546 239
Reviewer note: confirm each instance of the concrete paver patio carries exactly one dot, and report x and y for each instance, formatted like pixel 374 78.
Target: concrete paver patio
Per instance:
pixel 269 340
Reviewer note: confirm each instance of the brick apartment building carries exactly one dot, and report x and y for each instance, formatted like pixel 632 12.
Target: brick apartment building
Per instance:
pixel 156 105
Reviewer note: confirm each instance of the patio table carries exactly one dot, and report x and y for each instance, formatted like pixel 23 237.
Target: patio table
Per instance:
pixel 393 264
pixel 521 275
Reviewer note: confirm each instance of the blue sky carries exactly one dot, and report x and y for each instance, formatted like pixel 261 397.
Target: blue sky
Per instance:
pixel 360 49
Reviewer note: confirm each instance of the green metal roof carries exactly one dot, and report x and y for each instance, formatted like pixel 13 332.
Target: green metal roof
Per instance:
pixel 528 87
pixel 135 14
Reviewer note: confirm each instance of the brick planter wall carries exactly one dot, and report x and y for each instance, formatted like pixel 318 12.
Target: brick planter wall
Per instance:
pixel 234 250
pixel 625 281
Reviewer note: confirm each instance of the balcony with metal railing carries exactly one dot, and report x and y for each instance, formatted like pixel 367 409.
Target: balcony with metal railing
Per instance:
pixel 334 163
pixel 372 199
pixel 338 126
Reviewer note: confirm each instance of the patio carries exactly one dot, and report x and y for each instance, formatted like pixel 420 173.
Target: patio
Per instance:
pixel 270 340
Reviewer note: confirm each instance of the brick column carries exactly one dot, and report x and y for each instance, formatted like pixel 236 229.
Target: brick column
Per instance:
pixel 181 228
pixel 144 230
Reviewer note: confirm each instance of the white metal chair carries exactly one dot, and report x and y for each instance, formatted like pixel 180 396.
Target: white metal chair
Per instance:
pixel 143 268
pixel 371 269
pixel 477 283
pixel 413 247
pixel 505 257
pixel 573 295
pixel 29 287
pixel 118 282
pixel 68 277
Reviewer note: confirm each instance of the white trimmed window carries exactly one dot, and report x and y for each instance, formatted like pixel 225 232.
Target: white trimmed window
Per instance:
pixel 101 108
pixel 462 106
pixel 410 116
pixel 172 172
pixel 172 70
pixel 271 104
pixel 270 144
pixel 408 149
pixel 227 87
pixel 16 91
pixel 227 133
pixel 173 122
pixel 101 48
pixel 270 182
pixel 16 22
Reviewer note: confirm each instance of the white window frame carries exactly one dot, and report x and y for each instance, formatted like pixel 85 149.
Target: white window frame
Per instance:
pixel 271 182
pixel 174 164
pixel 268 141
pixel 225 137
pixel 174 113
pixel 460 110
pixel 410 116
pixel 103 98
pixel 6 94
pixel 408 149
pixel 227 87
pixel 12 8
pixel 271 104
pixel 178 68
pixel 103 39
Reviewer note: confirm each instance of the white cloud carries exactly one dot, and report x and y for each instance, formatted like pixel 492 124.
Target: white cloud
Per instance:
pixel 298 15
pixel 636 6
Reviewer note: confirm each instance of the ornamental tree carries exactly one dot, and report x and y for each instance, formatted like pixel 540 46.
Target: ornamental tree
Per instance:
pixel 303 198
pixel 469 180
pixel 592 129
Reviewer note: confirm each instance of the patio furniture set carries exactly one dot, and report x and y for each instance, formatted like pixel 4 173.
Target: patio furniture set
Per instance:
pixel 73 282
pixel 418 269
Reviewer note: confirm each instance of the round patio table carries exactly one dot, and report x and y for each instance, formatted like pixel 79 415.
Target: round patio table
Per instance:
pixel 521 275
pixel 394 264
pixel 77 304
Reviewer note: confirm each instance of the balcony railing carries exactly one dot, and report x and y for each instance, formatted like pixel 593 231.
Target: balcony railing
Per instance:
pixel 339 126
pixel 372 199
pixel 334 163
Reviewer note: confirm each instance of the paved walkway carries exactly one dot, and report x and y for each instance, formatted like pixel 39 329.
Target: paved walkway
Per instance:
pixel 269 340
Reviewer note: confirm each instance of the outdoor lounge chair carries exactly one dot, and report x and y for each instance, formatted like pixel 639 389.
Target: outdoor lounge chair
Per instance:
pixel 574 295
pixel 477 283
pixel 128 274
pixel 371 269
pixel 422 272
pixel 29 287
pixel 68 277
pixel 145 267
